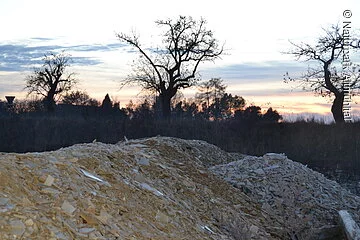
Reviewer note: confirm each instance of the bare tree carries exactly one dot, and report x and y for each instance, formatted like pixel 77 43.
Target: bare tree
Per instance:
pixel 50 79
pixel 79 98
pixel 211 90
pixel 324 76
pixel 187 43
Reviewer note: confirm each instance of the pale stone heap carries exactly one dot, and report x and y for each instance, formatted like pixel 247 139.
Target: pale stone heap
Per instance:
pixel 165 188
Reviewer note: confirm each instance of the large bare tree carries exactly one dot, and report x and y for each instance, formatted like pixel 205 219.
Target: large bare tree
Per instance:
pixel 187 43
pixel 51 78
pixel 324 76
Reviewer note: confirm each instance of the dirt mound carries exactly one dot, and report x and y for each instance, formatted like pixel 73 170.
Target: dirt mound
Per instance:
pixel 158 188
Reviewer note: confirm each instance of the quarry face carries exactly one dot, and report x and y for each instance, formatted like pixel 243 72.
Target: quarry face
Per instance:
pixel 166 188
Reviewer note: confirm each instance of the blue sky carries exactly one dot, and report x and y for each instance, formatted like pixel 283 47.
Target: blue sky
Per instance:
pixel 254 32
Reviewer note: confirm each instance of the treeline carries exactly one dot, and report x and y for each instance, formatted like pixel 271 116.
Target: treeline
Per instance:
pixel 27 125
pixel 248 130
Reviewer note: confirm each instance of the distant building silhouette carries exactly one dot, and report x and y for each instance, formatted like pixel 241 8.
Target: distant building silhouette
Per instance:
pixel 10 99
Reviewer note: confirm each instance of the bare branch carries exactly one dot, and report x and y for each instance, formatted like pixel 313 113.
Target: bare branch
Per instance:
pixel 187 44
pixel 50 79
pixel 325 80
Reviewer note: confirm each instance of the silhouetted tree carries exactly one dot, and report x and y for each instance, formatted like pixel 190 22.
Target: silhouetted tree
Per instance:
pixel 129 109
pixel 191 109
pixel 215 110
pixel 209 95
pixel 79 98
pixel 178 110
pixel 106 104
pixel 229 104
pixel 184 109
pixel 210 90
pixel 272 116
pixel 251 114
pixel 116 106
pixel 205 111
pixel 187 43
pixel 51 79
pixel 324 78
pixel 26 106
pixel 143 111
pixel 223 107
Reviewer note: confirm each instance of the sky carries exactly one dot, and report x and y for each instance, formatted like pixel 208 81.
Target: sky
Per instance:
pixel 254 33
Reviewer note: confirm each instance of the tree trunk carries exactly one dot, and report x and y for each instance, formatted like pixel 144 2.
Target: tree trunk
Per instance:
pixel 337 108
pixel 165 100
pixel 50 102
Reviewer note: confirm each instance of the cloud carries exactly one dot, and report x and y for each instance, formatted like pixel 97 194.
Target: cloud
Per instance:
pixel 42 39
pixel 254 72
pixel 18 57
pixel 22 57
pixel 96 47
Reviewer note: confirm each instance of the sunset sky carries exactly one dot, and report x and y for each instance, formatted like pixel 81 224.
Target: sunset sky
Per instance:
pixel 254 32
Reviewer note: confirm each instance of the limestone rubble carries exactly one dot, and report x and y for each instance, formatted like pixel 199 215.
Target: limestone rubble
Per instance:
pixel 165 188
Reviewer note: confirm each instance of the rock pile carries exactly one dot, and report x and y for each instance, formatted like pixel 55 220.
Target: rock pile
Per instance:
pixel 304 201
pixel 165 188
